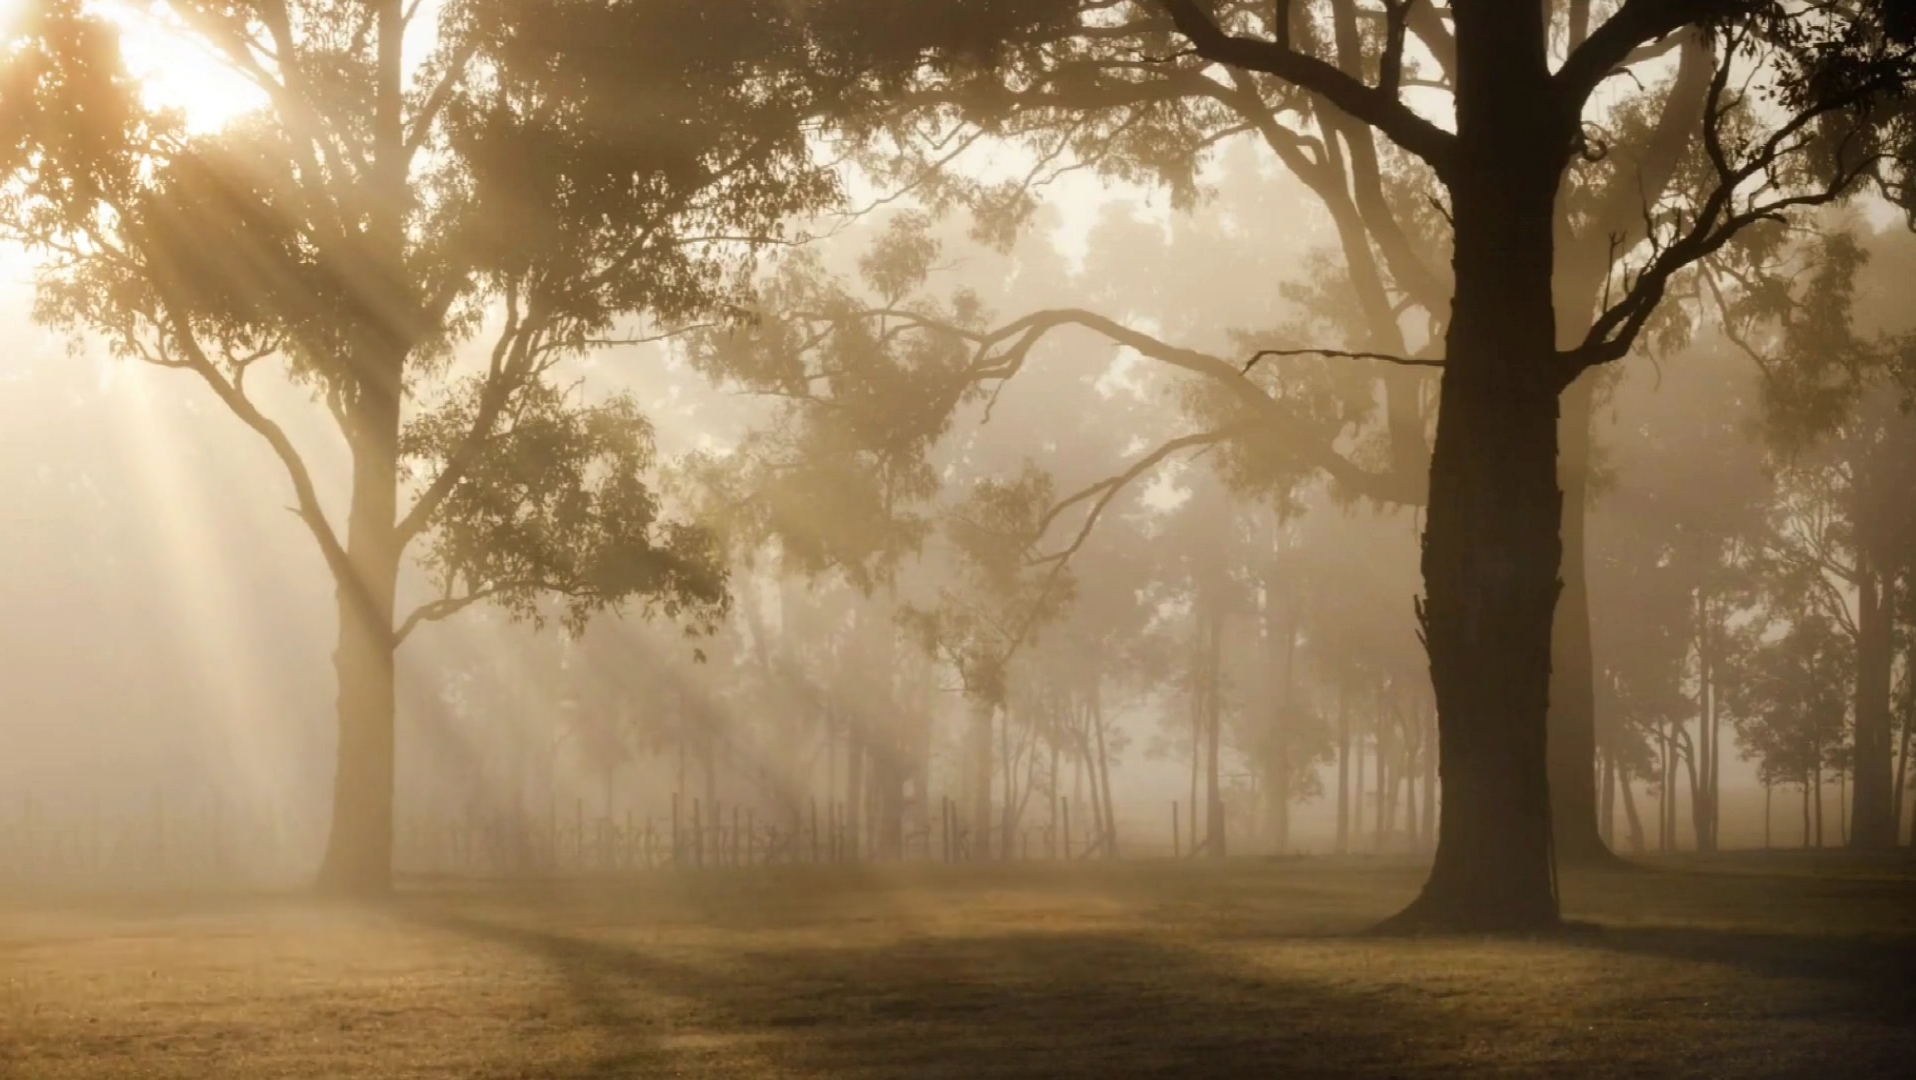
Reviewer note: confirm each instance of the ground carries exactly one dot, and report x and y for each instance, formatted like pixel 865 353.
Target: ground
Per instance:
pixel 1741 966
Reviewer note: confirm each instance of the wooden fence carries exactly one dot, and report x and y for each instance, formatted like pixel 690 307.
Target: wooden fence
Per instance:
pixel 211 841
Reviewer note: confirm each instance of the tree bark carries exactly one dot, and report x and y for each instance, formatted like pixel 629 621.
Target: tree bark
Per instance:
pixel 359 848
pixel 1492 544
pixel 1873 823
pixel 1572 742
pixel 358 859
pixel 1902 767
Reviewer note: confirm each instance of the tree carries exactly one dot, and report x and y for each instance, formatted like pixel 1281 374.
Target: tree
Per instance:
pixel 424 240
pixel 1492 544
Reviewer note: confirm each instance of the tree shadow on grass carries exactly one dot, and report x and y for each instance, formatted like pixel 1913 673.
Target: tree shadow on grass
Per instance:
pixel 1873 976
pixel 1064 1005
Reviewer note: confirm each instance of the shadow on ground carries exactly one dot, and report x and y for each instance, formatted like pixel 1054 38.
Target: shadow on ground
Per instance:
pixel 1016 1005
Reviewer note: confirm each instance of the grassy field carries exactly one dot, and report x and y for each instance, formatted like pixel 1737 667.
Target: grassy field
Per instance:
pixel 1743 966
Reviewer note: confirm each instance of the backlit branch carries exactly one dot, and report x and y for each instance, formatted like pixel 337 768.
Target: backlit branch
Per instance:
pixel 1373 105
pixel 1403 361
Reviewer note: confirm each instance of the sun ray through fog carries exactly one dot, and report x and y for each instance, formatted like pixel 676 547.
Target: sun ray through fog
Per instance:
pixel 179 503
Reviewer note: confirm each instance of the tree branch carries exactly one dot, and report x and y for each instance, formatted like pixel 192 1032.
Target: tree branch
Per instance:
pixel 1610 46
pixel 1370 104
pixel 1405 361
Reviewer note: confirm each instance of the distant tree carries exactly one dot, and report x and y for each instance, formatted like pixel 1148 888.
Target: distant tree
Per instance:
pixel 507 184
pixel 1844 525
pixel 1793 708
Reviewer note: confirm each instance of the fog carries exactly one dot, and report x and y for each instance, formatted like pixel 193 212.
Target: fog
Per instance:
pixel 170 625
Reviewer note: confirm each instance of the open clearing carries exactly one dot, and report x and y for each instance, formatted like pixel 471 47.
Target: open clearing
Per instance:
pixel 1785 965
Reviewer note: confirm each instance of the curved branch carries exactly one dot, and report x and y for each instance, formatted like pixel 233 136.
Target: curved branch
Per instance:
pixel 1404 361
pixel 1615 43
pixel 1108 489
pixel 1373 105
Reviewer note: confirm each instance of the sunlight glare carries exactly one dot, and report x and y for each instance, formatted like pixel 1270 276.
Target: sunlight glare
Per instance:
pixel 176 70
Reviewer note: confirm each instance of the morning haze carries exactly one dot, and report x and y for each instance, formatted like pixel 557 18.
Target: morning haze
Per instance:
pixel 1027 538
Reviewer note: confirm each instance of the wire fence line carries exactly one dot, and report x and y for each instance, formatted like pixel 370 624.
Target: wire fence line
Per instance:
pixel 216 841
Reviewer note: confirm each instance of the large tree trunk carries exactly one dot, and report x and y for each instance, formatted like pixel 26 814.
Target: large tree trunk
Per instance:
pixel 1902 766
pixel 1492 547
pixel 1572 744
pixel 1873 821
pixel 358 859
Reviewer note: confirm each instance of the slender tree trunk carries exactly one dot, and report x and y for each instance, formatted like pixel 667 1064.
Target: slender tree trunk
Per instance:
pixel 1357 784
pixel 1630 813
pixel 1381 828
pixel 1343 769
pixel 1213 732
pixel 1805 785
pixel 982 716
pixel 1819 807
pixel 854 786
pixel 1873 814
pixel 1006 818
pixel 1769 791
pixel 1277 789
pixel 1607 813
pixel 1101 774
pixel 1842 807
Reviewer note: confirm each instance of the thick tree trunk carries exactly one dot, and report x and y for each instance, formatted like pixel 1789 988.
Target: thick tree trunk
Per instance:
pixel 1873 821
pixel 1902 768
pixel 1428 827
pixel 1572 742
pixel 1492 547
pixel 359 848
pixel 358 859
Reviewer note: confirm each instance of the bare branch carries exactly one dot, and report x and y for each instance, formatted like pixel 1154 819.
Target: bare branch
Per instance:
pixel 1370 104
pixel 1405 361
pixel 1613 45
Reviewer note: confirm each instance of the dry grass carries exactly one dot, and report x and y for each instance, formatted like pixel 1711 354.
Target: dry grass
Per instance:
pixel 1780 966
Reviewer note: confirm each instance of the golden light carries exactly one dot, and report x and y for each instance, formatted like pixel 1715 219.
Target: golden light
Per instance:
pixel 176 69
